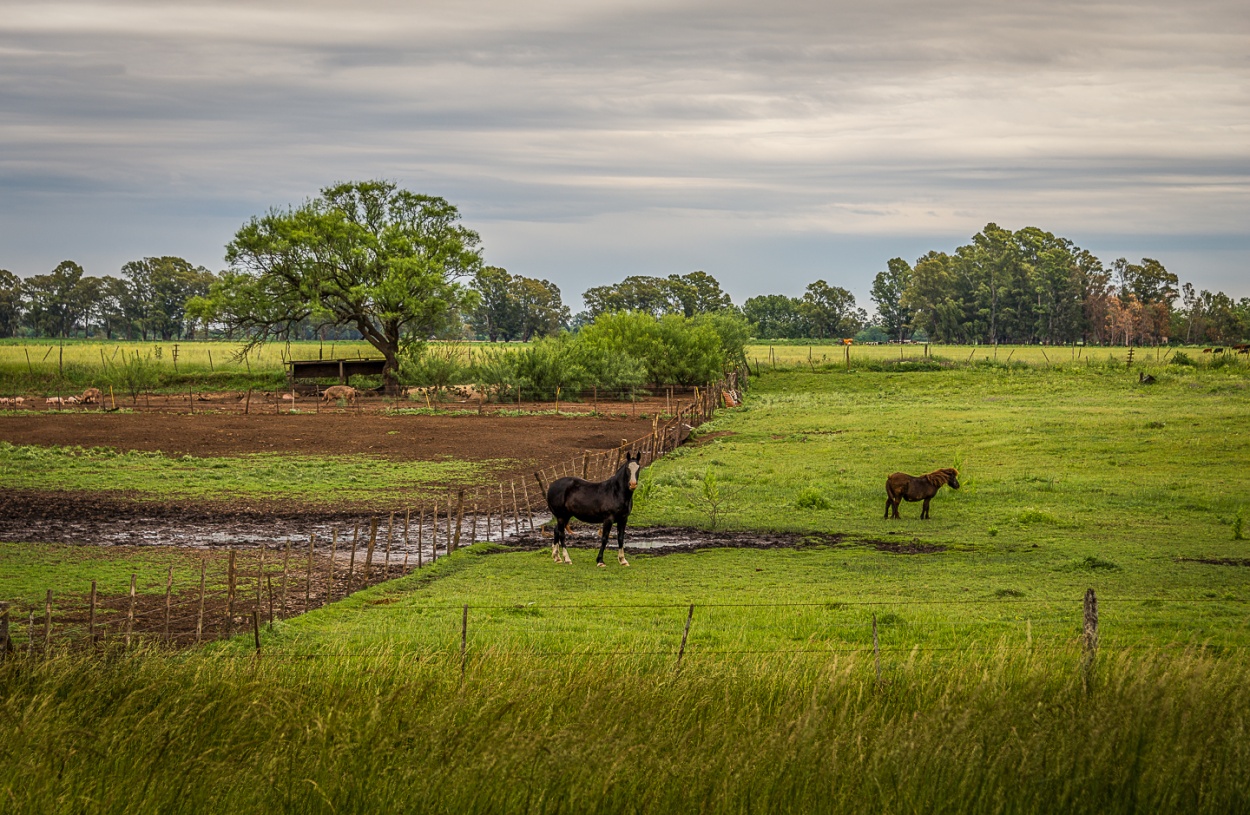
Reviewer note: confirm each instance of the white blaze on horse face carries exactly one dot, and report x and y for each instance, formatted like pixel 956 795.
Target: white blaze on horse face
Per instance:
pixel 633 474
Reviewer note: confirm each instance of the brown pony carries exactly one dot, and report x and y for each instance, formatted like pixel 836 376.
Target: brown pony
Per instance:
pixel 904 487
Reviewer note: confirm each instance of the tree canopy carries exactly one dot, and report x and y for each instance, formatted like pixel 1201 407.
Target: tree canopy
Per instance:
pixel 385 261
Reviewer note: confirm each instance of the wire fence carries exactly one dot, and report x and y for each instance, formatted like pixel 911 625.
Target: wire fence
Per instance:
pixel 248 587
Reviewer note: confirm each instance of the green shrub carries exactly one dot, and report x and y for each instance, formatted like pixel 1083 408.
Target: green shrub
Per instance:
pixel 1180 358
pixel 811 498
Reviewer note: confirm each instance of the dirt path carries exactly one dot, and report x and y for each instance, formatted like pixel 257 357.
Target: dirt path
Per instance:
pixel 532 440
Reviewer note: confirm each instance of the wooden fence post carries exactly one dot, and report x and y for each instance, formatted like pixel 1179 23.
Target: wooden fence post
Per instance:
pixel 91 616
pixel 130 612
pixel 269 597
pixel 684 634
pixel 473 528
pixel 420 536
pixel 386 558
pixel 529 508
pixel 286 565
pixel 256 627
pixel 199 620
pixel 459 517
pixel 230 586
pixel 334 546
pixel 1091 636
pixel 516 512
pixel 169 588
pixel 407 518
pixel 434 534
pixel 351 564
pixel 308 573
pixel 373 541
pixel 30 635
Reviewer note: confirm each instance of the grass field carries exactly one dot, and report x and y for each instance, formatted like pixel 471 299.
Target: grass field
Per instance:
pixel 48 366
pixel 1074 476
pixel 316 480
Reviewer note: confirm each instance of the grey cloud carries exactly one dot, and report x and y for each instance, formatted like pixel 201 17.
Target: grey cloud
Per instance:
pixel 727 122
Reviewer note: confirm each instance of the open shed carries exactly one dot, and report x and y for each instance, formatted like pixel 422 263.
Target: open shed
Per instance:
pixel 341 369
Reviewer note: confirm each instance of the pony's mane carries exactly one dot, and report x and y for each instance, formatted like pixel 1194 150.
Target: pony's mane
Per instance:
pixel 942 476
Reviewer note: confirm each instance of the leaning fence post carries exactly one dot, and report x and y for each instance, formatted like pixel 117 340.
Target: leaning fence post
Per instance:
pixel 459 518
pixel 1091 635
pixel 529 508
pixel 386 558
pixel 420 536
pixel 91 616
pixel 351 564
pixel 130 612
pixel 407 518
pixel 516 512
pixel 308 573
pixel 199 620
pixel 334 546
pixel 169 587
pixel 30 635
pixel 684 634
pixel 286 563
pixel 230 586
pixel 373 541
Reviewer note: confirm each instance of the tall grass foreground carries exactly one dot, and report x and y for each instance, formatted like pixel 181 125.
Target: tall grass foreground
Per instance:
pixel 989 732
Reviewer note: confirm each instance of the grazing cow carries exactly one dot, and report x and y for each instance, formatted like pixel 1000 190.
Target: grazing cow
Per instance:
pixel 336 392
pixel 904 487
pixel 605 502
pixel 92 396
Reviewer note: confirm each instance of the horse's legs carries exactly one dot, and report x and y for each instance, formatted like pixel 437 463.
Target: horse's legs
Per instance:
pixel 558 548
pixel 555 540
pixel 603 543
pixel 889 502
pixel 924 512
pixel 620 544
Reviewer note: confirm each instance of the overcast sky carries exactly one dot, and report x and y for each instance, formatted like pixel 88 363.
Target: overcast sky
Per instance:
pixel 769 144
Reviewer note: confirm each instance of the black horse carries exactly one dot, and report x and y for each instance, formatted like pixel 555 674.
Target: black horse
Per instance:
pixel 606 502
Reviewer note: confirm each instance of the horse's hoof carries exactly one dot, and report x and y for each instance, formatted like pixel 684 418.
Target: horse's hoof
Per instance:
pixel 601 565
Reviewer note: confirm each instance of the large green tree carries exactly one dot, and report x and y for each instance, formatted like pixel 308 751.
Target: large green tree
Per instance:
pixel 687 295
pixel 10 303
pixel 383 260
pixel 159 290
pixel 887 293
pixel 830 311
pixel 775 316
pixel 56 302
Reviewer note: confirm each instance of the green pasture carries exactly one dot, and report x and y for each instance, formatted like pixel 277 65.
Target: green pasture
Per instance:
pixel 326 481
pixel 29 570
pixel 568 696
pixel 51 367
pixel 802 353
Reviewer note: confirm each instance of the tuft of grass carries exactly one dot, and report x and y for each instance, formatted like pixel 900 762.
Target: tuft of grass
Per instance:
pixel 1031 515
pixel 812 498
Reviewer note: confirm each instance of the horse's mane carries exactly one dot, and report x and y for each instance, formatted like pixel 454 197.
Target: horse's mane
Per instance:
pixel 940 477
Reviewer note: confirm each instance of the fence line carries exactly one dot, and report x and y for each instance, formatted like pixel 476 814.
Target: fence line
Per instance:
pixel 226 605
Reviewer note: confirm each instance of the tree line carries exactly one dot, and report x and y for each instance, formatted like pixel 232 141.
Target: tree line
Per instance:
pixel 370 260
